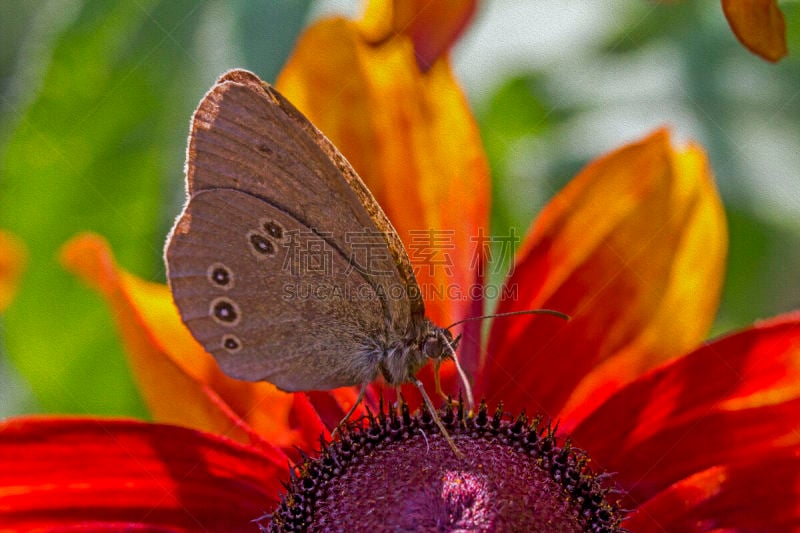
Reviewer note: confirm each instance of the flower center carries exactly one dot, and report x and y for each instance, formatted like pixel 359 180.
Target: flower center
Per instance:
pixel 398 473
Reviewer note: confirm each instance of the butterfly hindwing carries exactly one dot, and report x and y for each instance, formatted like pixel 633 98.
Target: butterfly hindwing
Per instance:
pixel 269 298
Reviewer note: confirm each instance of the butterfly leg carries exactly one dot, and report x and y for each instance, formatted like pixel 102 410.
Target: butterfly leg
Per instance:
pixel 435 414
pixel 437 382
pixel 398 398
pixel 461 373
pixel 352 410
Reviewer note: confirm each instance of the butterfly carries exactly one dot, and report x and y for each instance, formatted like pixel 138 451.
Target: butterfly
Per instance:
pixel 266 262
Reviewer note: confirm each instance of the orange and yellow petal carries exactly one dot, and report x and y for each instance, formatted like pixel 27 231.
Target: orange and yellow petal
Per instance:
pixel 759 25
pixel 633 249
pixel 730 401
pixel 180 382
pixel 761 494
pixel 13 256
pixel 81 474
pixel 433 27
pixel 411 137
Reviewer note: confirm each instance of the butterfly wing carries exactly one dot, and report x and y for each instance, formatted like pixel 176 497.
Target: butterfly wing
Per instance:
pixel 248 144
pixel 269 298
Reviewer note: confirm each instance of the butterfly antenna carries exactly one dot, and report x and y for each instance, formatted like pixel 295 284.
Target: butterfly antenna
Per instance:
pixel 558 314
pixel 461 373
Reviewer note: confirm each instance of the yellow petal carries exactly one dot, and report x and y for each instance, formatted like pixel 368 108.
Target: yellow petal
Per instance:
pixel 179 381
pixel 692 244
pixel 634 250
pixel 411 137
pixel 377 24
pixel 759 25
pixel 13 256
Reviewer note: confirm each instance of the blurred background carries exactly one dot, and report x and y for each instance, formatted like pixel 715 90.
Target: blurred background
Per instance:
pixel 95 100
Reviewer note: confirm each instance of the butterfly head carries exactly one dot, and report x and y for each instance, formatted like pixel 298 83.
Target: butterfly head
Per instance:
pixel 438 343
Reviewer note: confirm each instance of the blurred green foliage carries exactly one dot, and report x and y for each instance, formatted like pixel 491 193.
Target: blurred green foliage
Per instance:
pixel 524 120
pixel 96 104
pixel 96 99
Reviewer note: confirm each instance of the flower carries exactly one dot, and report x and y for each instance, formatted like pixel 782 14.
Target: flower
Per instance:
pixel 633 249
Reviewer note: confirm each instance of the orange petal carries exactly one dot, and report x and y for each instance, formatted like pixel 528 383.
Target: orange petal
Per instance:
pixel 634 250
pixel 13 256
pixel 180 382
pixel 759 25
pixel 760 495
pixel 731 400
pixel 413 140
pixel 432 26
pixel 66 474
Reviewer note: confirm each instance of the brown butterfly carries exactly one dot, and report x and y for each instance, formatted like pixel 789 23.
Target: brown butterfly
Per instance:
pixel 266 262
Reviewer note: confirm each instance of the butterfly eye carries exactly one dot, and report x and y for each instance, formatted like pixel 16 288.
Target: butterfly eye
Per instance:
pixel 432 347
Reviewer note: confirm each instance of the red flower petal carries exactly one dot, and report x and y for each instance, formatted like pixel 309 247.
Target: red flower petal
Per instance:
pixel 331 406
pixel 731 399
pixel 96 474
pixel 759 25
pixel 634 250
pixel 760 495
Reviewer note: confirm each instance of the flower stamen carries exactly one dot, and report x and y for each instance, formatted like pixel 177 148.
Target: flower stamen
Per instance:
pixel 396 471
